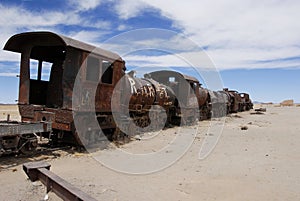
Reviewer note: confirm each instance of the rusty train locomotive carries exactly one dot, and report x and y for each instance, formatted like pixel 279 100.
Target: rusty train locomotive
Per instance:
pixel 51 65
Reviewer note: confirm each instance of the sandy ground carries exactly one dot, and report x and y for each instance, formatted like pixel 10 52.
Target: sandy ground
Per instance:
pixel 260 163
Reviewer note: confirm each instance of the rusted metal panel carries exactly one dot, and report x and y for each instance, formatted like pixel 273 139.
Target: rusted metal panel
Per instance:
pixel 164 94
pixel 95 95
pixel 179 83
pixel 203 96
pixel 61 115
pixel 190 78
pixel 142 93
pixel 26 111
pixel 24 84
pixel 219 103
pixel 44 116
pixel 246 101
pixel 60 118
pixel 61 126
pixel 41 171
pixel 235 100
pixel 103 98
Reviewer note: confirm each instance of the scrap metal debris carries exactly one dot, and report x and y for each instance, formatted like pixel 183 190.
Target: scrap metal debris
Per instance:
pixel 244 128
pixel 262 109
pixel 41 171
pixel 259 111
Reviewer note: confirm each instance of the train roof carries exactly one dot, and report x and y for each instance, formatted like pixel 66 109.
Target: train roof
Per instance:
pixel 233 91
pixel 163 73
pixel 21 42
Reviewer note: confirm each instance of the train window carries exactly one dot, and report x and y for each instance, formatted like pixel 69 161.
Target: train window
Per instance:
pixel 40 70
pixel 34 69
pixel 46 69
pixel 171 79
pixel 92 69
pixel 107 72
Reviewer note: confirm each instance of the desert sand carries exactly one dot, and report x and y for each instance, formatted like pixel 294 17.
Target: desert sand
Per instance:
pixel 261 162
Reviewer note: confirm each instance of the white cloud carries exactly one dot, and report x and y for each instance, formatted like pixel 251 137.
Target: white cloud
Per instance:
pixel 101 24
pixel 16 19
pixel 84 5
pixel 237 33
pixel 90 37
pixel 19 17
pixel 202 61
pixel 130 8
pixel 9 56
pixel 122 27
pixel 8 74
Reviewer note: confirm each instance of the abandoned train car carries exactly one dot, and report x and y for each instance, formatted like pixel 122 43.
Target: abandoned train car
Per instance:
pixel 63 80
pixel 49 66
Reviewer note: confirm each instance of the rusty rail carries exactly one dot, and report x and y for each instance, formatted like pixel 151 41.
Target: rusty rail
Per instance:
pixel 66 191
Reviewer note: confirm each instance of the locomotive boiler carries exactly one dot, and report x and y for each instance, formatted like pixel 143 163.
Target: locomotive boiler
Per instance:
pixel 146 104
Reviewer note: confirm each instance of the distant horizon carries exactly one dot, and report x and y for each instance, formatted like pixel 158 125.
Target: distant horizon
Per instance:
pixel 254 102
pixel 242 80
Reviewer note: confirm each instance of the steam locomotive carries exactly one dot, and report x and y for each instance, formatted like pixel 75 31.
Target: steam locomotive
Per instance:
pixel 64 81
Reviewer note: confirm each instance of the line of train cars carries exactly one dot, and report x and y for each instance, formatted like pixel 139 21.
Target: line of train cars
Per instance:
pixel 51 68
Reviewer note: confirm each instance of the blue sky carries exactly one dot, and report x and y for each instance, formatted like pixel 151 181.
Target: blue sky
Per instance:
pixel 255 45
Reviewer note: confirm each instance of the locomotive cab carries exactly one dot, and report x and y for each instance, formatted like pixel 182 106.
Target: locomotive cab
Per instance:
pixel 50 65
pixel 185 87
pixel 41 68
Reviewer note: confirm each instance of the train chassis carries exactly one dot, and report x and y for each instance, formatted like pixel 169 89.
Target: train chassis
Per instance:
pixel 22 137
